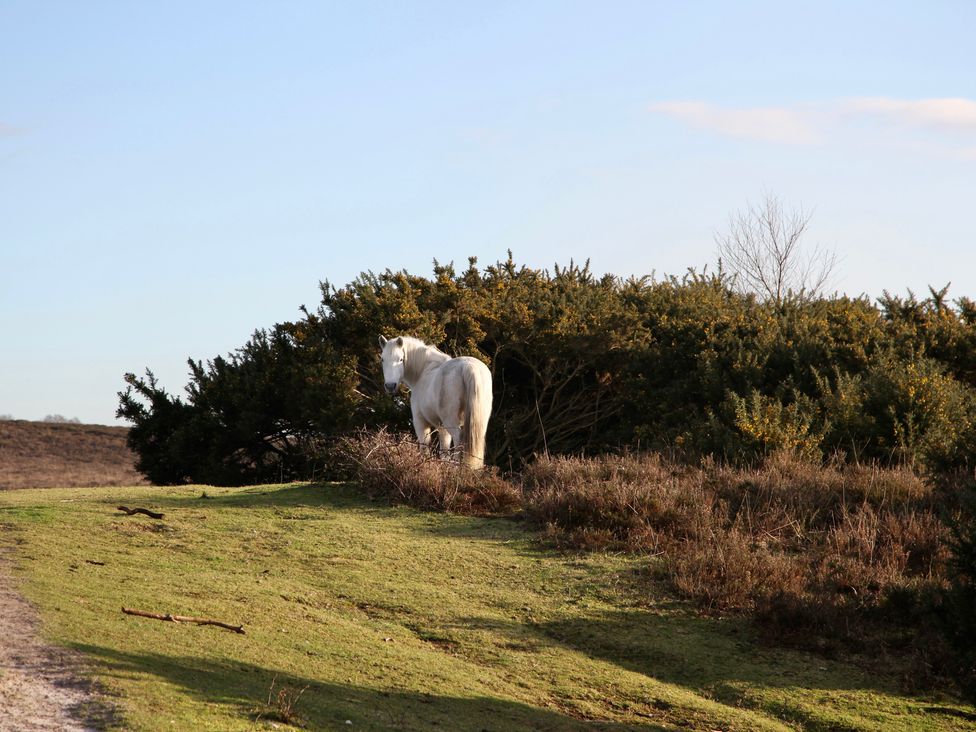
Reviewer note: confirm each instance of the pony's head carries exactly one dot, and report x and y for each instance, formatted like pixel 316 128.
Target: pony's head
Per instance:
pixel 393 357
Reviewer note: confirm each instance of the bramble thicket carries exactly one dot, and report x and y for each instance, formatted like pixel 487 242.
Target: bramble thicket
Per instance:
pixel 582 365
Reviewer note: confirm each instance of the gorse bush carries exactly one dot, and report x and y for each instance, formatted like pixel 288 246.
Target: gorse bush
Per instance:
pixel 582 365
pixel 265 413
pixel 768 425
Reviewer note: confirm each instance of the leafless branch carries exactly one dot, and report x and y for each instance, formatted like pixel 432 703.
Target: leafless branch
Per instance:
pixel 183 619
pixel 763 250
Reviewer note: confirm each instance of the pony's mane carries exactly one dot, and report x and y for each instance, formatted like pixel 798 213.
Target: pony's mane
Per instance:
pixel 418 354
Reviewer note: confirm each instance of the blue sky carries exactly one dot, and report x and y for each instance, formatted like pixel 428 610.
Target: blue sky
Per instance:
pixel 175 175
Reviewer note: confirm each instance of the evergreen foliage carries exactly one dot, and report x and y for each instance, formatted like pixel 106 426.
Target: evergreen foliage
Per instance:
pixel 583 364
pixel 264 413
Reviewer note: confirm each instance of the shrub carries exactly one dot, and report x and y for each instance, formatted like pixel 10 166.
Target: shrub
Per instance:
pixel 921 413
pixel 729 571
pixel 264 413
pixel 608 502
pixel 397 469
pixel 821 556
pixel 767 425
pixel 162 431
pixel 583 364
pixel 814 552
pixel 557 344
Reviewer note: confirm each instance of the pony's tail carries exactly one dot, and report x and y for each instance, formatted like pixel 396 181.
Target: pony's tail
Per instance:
pixel 477 387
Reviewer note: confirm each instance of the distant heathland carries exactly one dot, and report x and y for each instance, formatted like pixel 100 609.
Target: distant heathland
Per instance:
pixel 63 454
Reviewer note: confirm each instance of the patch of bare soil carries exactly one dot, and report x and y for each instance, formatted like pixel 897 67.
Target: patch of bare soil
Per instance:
pixel 42 687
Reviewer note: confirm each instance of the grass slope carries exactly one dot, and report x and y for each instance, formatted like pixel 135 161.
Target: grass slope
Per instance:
pixel 398 619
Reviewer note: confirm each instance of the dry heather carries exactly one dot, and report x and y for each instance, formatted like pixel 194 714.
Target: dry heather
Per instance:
pixel 789 540
pixel 815 552
pixel 47 455
pixel 829 557
pixel 393 467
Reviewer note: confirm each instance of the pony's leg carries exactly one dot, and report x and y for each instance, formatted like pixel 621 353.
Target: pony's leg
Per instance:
pixel 455 439
pixel 445 441
pixel 423 432
pixel 423 439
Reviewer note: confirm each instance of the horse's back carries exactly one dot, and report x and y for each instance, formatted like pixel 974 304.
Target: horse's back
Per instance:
pixel 467 363
pixel 457 380
pixel 451 374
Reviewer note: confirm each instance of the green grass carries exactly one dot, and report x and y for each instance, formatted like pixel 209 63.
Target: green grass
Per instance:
pixel 397 619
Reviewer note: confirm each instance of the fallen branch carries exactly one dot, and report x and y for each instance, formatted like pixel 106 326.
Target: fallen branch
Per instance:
pixel 183 619
pixel 146 511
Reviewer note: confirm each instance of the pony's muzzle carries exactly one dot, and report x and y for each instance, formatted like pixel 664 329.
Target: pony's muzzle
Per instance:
pixel 392 388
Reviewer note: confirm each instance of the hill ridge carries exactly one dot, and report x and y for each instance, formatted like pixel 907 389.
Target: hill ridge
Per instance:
pixel 65 454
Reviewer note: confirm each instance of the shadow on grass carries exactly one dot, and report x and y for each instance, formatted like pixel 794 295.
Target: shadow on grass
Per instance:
pixel 242 690
pixel 478 528
pixel 347 496
pixel 304 495
pixel 710 657
pixel 695 652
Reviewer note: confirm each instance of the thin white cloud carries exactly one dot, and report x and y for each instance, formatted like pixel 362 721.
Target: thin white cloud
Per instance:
pixel 810 123
pixel 953 113
pixel 767 124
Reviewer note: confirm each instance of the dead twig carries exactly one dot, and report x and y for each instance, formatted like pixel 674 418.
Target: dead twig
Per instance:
pixel 146 511
pixel 183 619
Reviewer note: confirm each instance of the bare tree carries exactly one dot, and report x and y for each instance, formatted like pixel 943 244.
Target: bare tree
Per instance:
pixel 764 252
pixel 61 419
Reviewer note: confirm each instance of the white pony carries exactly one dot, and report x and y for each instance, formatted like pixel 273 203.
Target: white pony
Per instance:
pixel 450 395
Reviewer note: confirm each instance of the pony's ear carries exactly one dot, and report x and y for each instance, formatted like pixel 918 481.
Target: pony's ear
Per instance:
pixel 382 342
pixel 400 341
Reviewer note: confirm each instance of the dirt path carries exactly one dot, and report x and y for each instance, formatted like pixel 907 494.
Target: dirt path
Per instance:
pixel 40 685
